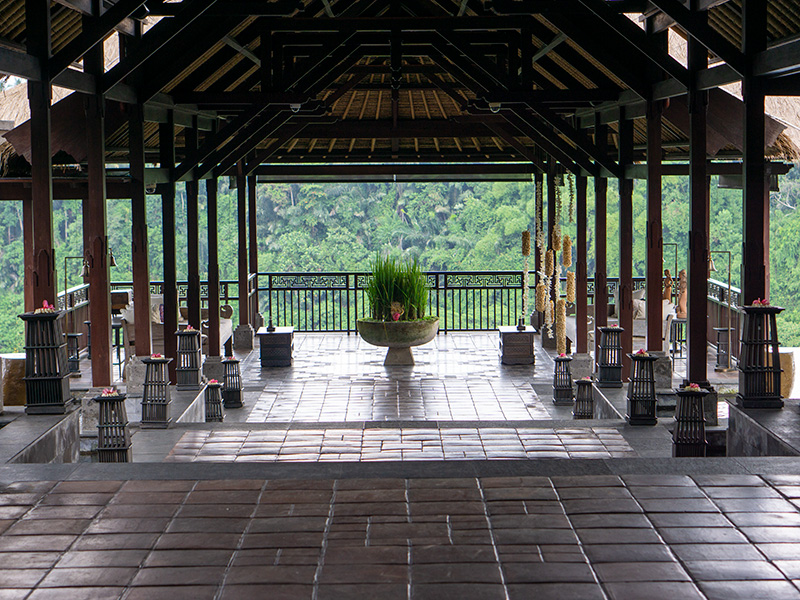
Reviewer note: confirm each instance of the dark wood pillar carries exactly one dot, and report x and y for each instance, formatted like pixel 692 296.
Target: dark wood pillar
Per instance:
pixel 755 248
pixel 241 191
pixel 699 214
pixel 95 235
pixel 625 287
pixel 551 226
pixel 27 237
pixel 40 281
pixel 213 269
pixel 581 255
pixel 655 260
pixel 192 240
pixel 253 240
pixel 166 137
pixel 139 242
pixel 600 273
pixel 538 180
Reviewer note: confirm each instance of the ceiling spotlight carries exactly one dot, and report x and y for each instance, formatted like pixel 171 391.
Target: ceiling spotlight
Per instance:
pixel 494 107
pixel 295 108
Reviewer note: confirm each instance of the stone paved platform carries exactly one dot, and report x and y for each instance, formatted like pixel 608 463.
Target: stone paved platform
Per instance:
pixel 448 443
pixel 460 530
pixel 339 378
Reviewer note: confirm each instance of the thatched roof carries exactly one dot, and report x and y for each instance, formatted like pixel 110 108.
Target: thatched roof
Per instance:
pixel 428 106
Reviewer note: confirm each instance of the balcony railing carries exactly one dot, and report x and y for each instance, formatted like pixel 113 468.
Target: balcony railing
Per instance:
pixel 333 302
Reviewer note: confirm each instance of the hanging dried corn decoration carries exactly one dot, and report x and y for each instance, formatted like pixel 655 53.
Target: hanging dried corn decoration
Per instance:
pixel 549 263
pixel 540 248
pixel 541 297
pixel 557 229
pixel 549 318
pixel 526 251
pixel 561 326
pixel 571 287
pixel 571 198
pixel 566 251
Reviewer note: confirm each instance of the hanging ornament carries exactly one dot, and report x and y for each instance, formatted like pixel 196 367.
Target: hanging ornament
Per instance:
pixel 561 326
pixel 541 297
pixel 566 251
pixel 549 263
pixel 557 228
pixel 571 287
pixel 571 198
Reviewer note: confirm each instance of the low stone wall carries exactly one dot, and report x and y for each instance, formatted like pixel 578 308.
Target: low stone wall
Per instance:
pixel 764 432
pixel 41 439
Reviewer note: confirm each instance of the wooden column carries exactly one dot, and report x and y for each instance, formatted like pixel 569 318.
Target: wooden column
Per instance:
pixel 27 237
pixel 655 260
pixel 241 191
pixel 581 255
pixel 625 287
pixel 213 269
pixel 95 235
pixel 551 223
pixel 699 214
pixel 40 281
pixel 538 178
pixel 755 248
pixel 253 239
pixel 139 243
pixel 600 274
pixel 192 239
pixel 166 137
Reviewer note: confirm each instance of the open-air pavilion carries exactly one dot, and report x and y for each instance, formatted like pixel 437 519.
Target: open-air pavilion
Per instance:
pixel 167 94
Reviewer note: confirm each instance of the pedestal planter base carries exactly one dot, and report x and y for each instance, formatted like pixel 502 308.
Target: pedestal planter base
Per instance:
pixel 398 357
pixel 399 337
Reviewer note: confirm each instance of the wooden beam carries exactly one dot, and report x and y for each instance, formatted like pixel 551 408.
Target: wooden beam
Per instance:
pixel 157 37
pixel 95 235
pixel 625 287
pixel 654 229
pixel 600 246
pixel 252 227
pixel 166 142
pixel 93 33
pixel 637 39
pixel 524 150
pixel 139 240
pixel 550 141
pixel 386 24
pixel 192 239
pixel 581 258
pixel 213 269
pixel 241 220
pixel 699 214
pixel 521 171
pixel 578 138
pixel 755 250
pixel 696 25
pixel 779 60
pixel 213 143
pixel 42 277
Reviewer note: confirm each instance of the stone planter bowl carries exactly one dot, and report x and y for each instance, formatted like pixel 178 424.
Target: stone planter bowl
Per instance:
pixel 398 336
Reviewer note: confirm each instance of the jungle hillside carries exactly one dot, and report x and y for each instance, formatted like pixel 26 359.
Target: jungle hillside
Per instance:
pixel 446 226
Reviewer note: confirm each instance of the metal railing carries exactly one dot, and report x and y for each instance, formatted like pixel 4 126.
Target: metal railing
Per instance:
pixel 463 300
pixel 719 299
pixel 333 302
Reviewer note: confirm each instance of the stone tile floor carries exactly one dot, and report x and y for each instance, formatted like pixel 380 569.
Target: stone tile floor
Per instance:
pixel 385 444
pixel 611 537
pixel 339 378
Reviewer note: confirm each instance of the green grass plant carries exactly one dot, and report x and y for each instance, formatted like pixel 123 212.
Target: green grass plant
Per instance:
pixel 398 281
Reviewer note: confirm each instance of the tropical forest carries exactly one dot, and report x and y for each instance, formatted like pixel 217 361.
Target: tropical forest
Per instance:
pixel 314 227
